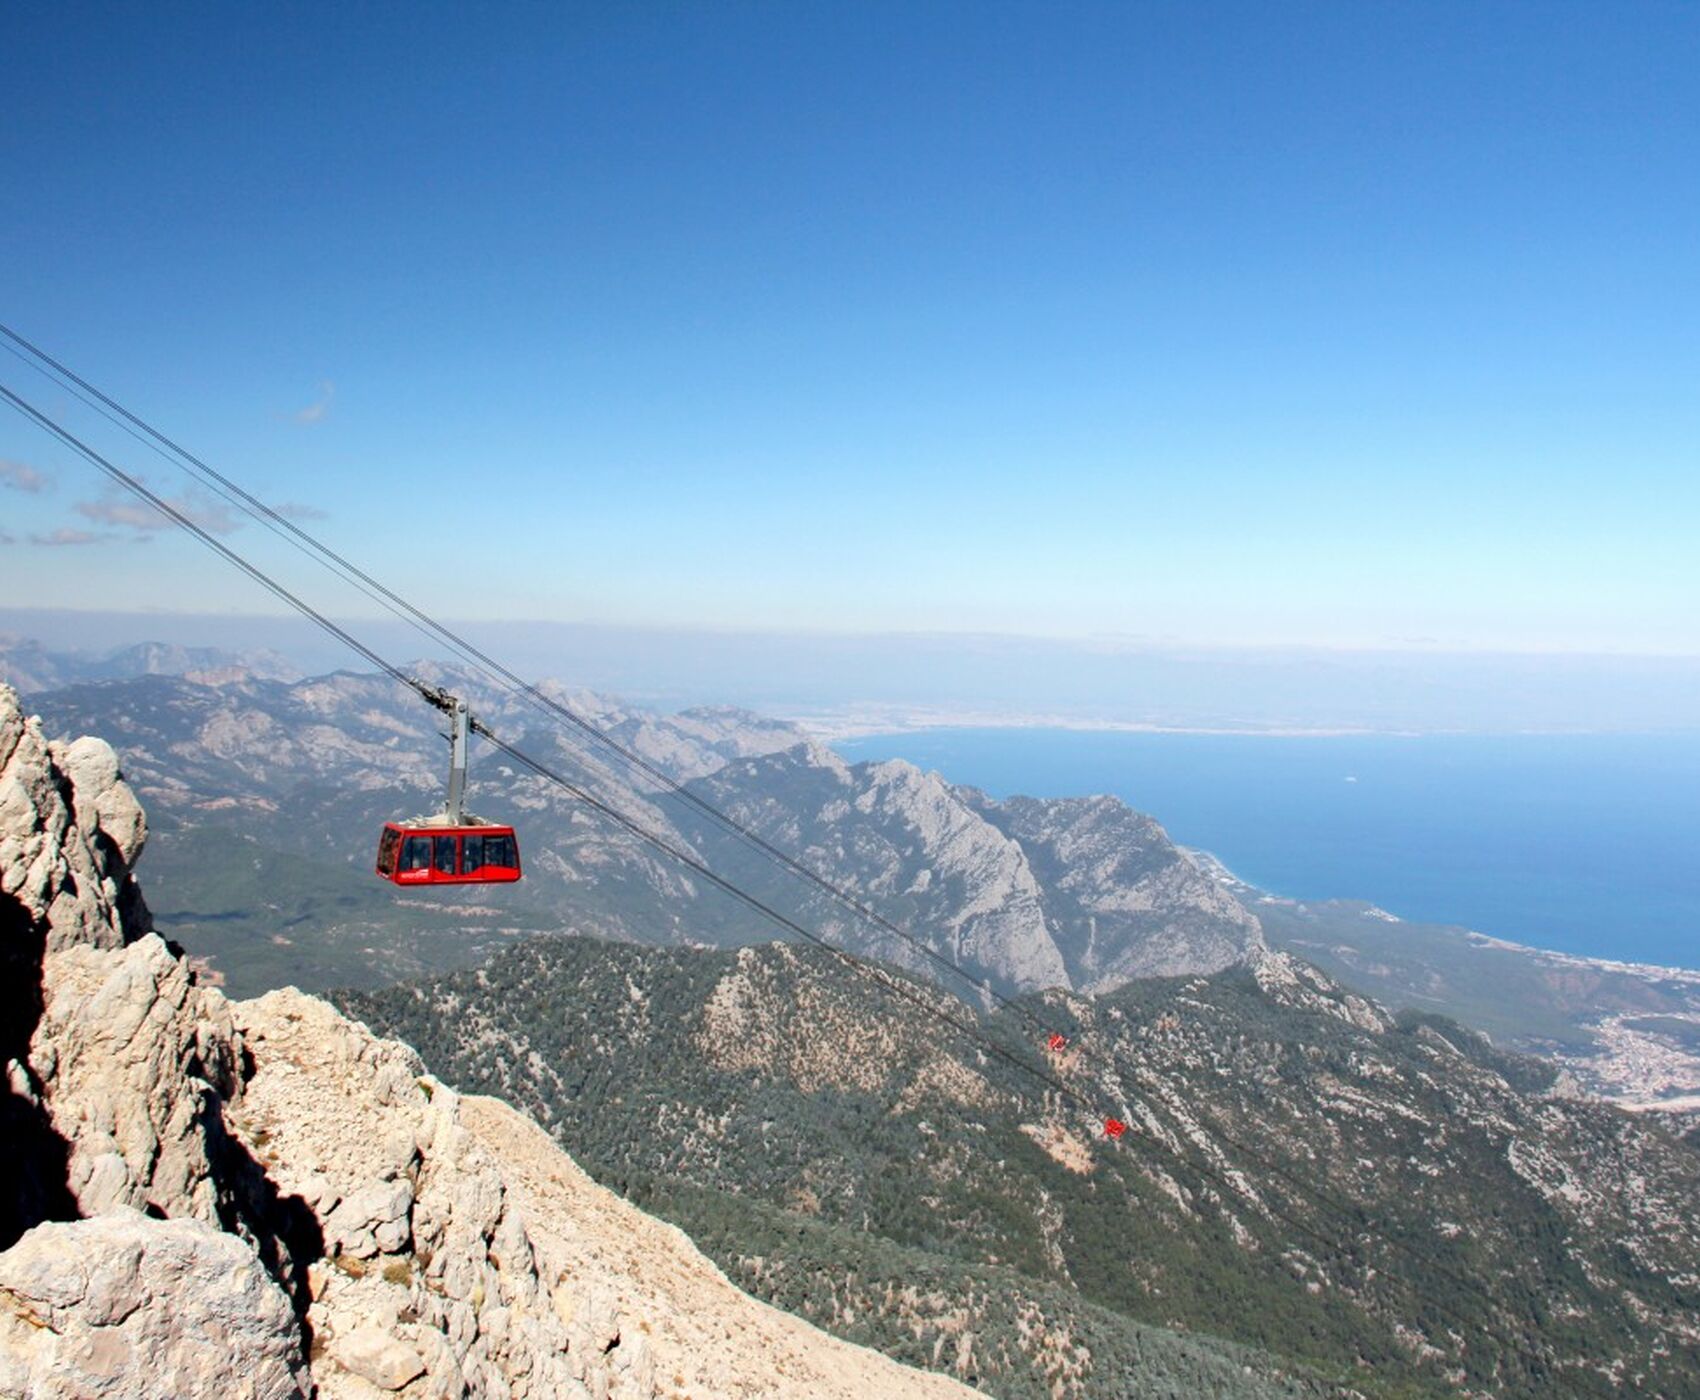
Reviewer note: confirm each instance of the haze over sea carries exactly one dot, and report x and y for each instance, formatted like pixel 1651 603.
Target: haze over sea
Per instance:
pixel 1587 844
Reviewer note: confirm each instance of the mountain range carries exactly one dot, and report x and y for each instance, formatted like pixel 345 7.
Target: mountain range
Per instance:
pixel 267 793
pixel 264 782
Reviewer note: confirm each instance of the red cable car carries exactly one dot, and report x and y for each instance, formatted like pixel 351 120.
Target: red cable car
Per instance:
pixel 430 852
pixel 454 847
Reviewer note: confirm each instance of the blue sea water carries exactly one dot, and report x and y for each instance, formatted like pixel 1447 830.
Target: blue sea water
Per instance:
pixel 1588 844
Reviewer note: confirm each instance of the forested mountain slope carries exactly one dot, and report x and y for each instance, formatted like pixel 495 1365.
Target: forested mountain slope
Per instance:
pixel 1387 1203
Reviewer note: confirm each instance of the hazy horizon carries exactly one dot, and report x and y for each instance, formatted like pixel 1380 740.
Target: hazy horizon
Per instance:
pixel 850 683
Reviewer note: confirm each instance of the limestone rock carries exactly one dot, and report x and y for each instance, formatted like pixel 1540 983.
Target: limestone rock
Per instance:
pixel 122 1305
pixel 70 830
pixel 423 1228
pixel 1024 893
pixel 133 1061
pixel 373 1354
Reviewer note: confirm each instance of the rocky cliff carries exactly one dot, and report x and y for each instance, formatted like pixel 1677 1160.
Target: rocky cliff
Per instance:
pixel 262 1199
pixel 1029 893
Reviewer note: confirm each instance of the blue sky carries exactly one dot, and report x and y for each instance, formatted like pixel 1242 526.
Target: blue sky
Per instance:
pixel 1344 325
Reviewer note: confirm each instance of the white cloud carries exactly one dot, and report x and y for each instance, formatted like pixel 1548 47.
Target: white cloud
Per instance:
pixel 133 514
pixel 210 515
pixel 316 411
pixel 299 510
pixel 20 476
pixel 66 536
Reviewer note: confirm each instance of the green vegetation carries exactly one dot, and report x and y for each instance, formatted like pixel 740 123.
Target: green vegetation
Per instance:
pixel 1377 1204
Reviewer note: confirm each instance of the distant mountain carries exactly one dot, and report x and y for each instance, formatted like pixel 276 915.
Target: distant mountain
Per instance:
pixel 29 665
pixel 1028 894
pixel 1387 1206
pixel 268 797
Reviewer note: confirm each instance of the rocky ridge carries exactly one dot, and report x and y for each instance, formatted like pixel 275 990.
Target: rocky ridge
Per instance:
pixel 31 666
pixel 263 1199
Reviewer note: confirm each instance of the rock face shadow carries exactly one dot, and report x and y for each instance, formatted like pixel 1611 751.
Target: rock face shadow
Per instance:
pixel 34 1158
pixel 283 1230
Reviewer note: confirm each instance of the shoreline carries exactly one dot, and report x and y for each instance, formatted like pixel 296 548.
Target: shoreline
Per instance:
pixel 834 726
pixel 863 725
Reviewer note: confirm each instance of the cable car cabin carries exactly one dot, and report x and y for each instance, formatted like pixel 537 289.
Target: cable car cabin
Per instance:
pixel 423 853
pixel 454 847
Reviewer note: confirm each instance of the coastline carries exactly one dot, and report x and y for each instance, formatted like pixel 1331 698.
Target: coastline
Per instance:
pixel 838 725
pixel 1615 1050
pixel 1213 866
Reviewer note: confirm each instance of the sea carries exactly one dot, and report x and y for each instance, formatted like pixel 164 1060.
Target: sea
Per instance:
pixel 1584 843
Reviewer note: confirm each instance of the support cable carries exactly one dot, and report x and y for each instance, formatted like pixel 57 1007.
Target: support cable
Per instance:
pixel 306 543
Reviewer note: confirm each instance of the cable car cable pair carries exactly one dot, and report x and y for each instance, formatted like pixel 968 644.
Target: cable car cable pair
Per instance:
pixel 306 543
pixel 436 697
pixel 454 823
pixel 1113 1128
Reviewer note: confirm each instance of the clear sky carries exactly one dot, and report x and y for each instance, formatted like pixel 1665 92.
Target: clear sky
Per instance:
pixel 1340 324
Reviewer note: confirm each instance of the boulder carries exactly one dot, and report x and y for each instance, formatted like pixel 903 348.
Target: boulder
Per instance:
pixel 376 1356
pixel 123 1305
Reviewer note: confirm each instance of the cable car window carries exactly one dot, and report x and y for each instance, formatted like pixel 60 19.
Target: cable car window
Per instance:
pixel 445 854
pixel 387 844
pixel 499 850
pixel 416 854
pixel 471 853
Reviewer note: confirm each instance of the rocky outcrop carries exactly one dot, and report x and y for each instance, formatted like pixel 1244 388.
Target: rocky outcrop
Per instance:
pixel 122 1306
pixel 1121 899
pixel 262 1199
pixel 427 1268
pixel 133 1062
pixel 69 832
